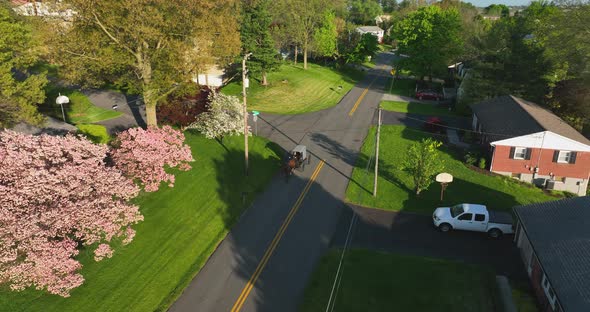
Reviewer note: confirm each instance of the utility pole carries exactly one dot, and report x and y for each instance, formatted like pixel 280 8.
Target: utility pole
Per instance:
pixel 245 83
pixel 377 154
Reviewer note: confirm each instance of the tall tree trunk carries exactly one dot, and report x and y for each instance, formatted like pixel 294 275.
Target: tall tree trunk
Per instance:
pixel 295 58
pixel 150 108
pixel 264 82
pixel 305 54
pixel 149 94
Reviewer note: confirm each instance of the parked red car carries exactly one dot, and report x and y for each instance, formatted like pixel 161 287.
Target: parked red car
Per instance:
pixel 428 95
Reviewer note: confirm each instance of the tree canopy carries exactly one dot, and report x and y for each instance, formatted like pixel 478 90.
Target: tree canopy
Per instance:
pixel 257 38
pixel 364 12
pixel 57 193
pixel 431 37
pixel 21 89
pixel 149 46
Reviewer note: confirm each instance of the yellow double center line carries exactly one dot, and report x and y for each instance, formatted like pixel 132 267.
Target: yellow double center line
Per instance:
pixel 273 245
pixel 360 99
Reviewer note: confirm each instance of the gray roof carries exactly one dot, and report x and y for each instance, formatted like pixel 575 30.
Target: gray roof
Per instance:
pixel 370 28
pixel 559 232
pixel 509 116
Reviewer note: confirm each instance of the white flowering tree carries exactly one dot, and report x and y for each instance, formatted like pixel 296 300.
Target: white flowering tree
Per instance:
pixel 224 117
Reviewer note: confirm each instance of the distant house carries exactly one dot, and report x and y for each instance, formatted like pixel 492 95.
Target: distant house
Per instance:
pixel 212 77
pixel 373 30
pixel 531 144
pixel 38 8
pixel 554 243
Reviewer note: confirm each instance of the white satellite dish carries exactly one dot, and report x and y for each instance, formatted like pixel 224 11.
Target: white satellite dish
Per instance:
pixel 444 178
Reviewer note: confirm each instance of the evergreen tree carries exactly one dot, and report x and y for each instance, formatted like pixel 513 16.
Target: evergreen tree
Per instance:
pixel 257 38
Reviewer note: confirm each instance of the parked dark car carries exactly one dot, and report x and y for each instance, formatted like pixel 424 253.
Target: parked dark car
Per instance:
pixel 435 125
pixel 428 95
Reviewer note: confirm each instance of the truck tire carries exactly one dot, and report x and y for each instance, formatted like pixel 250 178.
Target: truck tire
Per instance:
pixel 495 233
pixel 445 227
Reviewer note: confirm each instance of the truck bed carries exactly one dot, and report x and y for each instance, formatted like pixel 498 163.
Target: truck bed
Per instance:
pixel 500 217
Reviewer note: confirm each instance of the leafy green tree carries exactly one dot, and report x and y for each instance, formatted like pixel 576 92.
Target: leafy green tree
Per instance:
pixel 257 38
pixel 389 5
pixel 20 88
pixel 300 20
pixel 431 37
pixel 497 10
pixel 326 37
pixel 564 35
pixel 364 12
pixel 423 162
pixel 149 46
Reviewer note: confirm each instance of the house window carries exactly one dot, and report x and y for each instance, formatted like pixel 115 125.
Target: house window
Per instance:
pixel 548 291
pixel 519 152
pixel 516 175
pixel 564 157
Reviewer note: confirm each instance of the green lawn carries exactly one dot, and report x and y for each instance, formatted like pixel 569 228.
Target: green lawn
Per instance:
pixel 402 86
pixel 376 281
pixel 79 111
pixel 292 90
pixel 182 227
pixel 416 108
pixel 396 186
pixel 95 133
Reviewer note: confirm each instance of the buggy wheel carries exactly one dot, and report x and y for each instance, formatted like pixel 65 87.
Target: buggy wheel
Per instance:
pixel 303 167
pixel 309 159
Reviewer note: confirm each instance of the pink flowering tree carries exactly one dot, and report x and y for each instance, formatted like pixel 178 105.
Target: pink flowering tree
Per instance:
pixel 144 155
pixel 56 194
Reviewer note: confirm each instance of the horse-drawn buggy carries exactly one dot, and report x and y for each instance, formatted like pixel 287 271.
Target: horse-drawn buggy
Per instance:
pixel 296 159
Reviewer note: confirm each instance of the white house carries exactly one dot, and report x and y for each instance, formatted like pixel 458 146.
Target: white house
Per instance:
pixel 373 30
pixel 212 77
pixel 38 8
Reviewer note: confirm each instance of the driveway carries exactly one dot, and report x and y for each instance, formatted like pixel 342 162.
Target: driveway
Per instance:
pixel 131 107
pixel 414 234
pixel 417 120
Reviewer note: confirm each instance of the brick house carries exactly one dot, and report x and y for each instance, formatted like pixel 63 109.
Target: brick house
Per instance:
pixel 531 144
pixel 554 243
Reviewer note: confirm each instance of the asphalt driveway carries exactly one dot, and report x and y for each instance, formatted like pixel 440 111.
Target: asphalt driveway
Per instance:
pixel 414 234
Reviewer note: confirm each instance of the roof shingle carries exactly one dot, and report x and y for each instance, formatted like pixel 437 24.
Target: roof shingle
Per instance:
pixel 559 232
pixel 509 116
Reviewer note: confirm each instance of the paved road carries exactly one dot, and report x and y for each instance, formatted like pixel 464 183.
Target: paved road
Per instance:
pixel 333 135
pixel 414 234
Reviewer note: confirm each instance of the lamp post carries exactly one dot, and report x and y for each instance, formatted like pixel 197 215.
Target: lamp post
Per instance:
pixel 61 100
pixel 245 83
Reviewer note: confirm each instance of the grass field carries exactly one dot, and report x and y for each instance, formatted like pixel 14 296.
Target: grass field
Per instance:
pixel 79 111
pixel 404 87
pixel 95 133
pixel 396 186
pixel 416 108
pixel 182 227
pixel 375 281
pixel 292 90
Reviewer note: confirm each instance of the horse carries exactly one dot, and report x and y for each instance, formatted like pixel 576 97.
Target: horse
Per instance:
pixel 289 165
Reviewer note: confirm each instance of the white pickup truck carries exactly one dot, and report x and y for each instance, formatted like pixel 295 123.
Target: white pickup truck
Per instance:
pixel 471 217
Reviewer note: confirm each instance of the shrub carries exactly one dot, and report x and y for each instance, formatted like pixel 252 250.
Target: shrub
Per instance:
pixel 95 133
pixel 183 110
pixel 482 163
pixel 143 155
pixel 470 158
